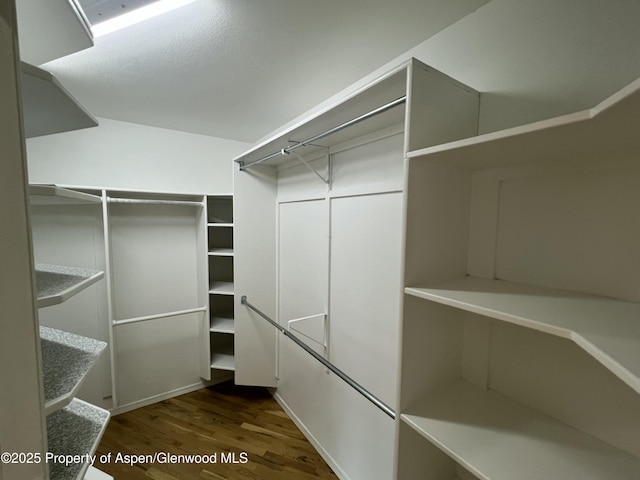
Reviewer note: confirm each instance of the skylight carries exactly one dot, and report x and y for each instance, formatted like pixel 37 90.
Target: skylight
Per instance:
pixel 107 16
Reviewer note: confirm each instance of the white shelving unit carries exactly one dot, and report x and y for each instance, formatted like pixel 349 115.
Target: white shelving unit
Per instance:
pixel 74 427
pixel 521 331
pixel 221 285
pixel 313 256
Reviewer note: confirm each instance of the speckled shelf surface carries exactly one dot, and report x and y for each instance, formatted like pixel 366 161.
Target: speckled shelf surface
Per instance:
pixel 57 283
pixel 74 430
pixel 66 359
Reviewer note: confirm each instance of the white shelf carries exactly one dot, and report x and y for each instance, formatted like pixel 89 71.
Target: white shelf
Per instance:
pixel 51 29
pixel 54 195
pixel 606 328
pixel 66 360
pixel 221 252
pixel 386 89
pixel 497 438
pixel 74 430
pixel 608 128
pixel 222 325
pixel 221 288
pixel 48 106
pixel 222 361
pixel 56 283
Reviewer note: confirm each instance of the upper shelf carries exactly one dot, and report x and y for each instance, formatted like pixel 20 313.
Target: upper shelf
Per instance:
pixel 386 89
pixel 51 29
pixel 48 106
pixel 66 359
pixel 56 284
pixel 607 329
pixel 54 195
pixel 610 128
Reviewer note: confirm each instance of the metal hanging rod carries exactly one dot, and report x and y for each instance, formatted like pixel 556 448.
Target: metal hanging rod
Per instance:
pixel 308 141
pixel 351 382
pixel 141 201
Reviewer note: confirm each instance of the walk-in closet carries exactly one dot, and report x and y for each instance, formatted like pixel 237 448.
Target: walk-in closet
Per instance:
pixel 258 240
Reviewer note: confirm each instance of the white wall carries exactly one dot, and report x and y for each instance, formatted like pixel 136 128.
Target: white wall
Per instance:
pixel 120 155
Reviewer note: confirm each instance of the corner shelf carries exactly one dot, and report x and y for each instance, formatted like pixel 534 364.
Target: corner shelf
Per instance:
pixel 66 359
pixel 607 329
pixel 608 128
pixel 75 430
pixel 56 284
pixel 497 438
pixel 48 105
pixel 55 195
pixel 531 226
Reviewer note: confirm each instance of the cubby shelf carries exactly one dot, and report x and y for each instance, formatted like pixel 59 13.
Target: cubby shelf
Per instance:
pixel 221 259
pixel 497 438
pixel 66 359
pixel 74 430
pixel 222 324
pixel 221 288
pixel 606 328
pixel 221 252
pixel 222 357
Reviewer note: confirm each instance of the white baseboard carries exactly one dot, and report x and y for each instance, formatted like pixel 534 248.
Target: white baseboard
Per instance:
pixel 173 393
pixel 323 453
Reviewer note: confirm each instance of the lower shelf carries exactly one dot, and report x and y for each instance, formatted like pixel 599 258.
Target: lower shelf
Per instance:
pixel 222 361
pixel 497 438
pixel 74 430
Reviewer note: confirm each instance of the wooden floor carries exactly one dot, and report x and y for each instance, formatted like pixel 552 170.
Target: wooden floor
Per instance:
pixel 236 424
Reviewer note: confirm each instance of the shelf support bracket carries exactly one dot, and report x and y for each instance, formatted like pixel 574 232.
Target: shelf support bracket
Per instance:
pixel 306 164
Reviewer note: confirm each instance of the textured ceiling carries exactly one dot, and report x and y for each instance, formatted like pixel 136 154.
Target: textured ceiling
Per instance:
pixel 239 69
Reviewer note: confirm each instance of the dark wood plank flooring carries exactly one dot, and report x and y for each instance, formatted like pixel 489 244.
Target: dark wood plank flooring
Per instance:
pixel 244 427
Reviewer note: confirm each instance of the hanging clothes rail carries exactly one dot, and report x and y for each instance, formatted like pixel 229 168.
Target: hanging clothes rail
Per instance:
pixel 159 315
pixel 351 382
pixel 154 202
pixel 308 141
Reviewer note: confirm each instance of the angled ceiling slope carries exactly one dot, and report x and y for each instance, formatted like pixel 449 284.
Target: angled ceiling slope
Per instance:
pixel 239 69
